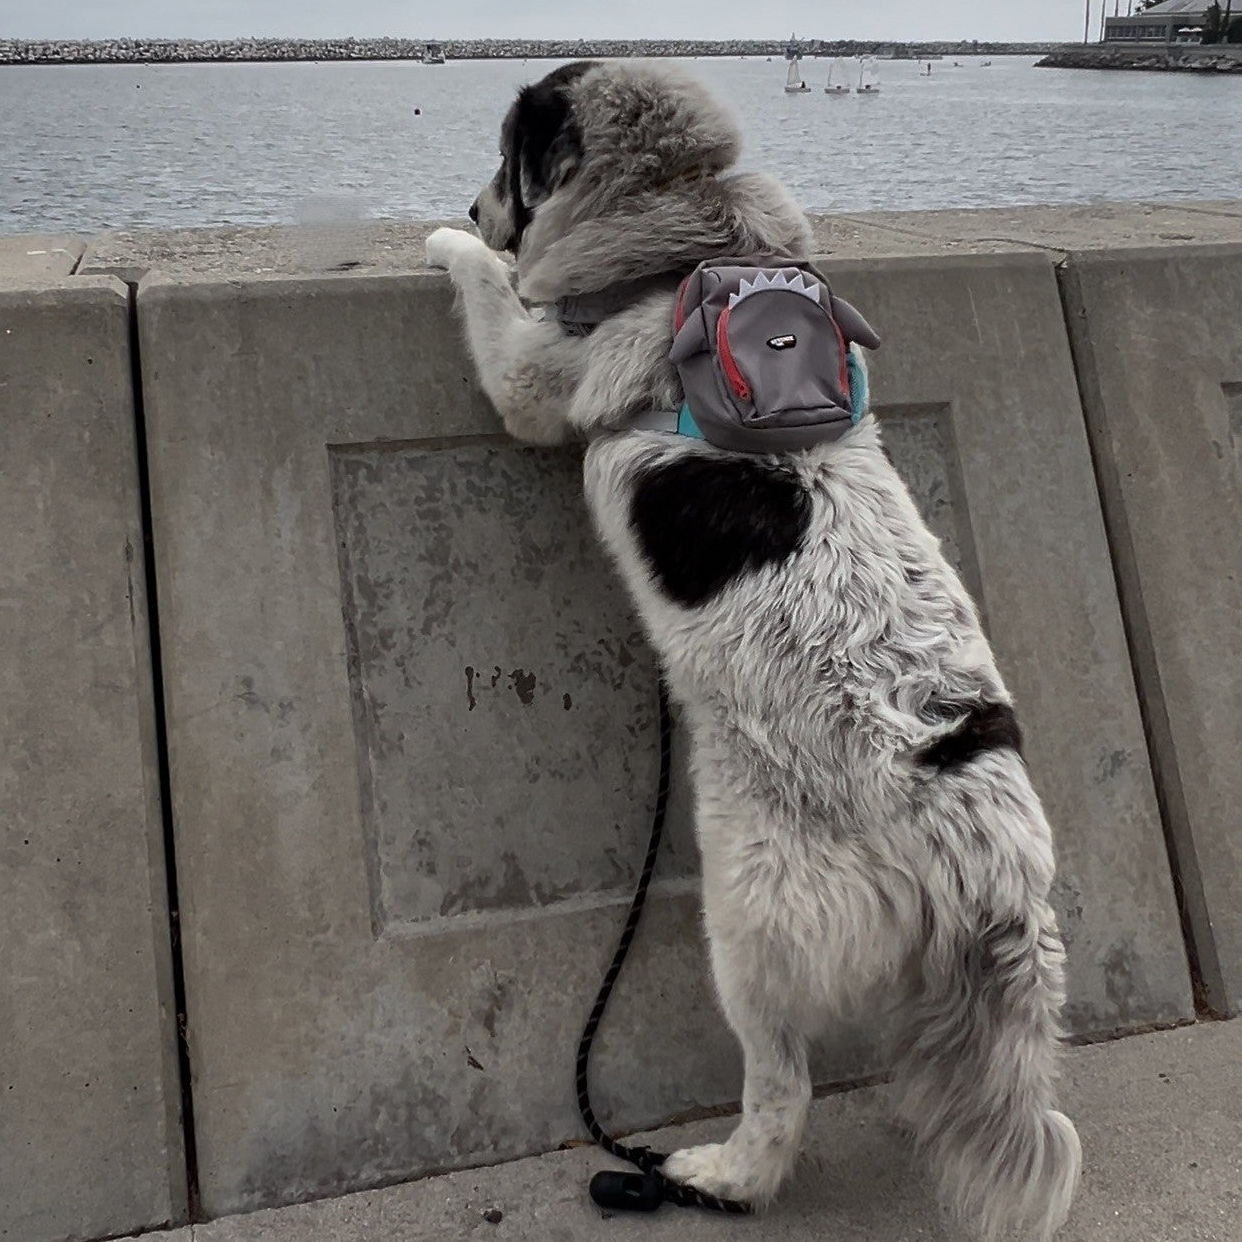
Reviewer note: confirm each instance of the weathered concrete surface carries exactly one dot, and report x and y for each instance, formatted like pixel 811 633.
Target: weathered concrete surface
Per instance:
pixel 982 417
pixel 1061 230
pixel 398 245
pixel 37 258
pixel 390 646
pixel 343 1030
pixel 1159 345
pixel 89 1098
pixel 278 249
pixel 1160 1118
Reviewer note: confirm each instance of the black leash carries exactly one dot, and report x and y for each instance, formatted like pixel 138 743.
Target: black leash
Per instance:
pixel 646 1190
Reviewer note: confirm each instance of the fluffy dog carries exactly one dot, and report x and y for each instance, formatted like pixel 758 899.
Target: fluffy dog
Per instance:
pixel 864 814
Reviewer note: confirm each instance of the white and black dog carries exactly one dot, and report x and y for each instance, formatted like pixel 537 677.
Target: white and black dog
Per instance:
pixel 863 811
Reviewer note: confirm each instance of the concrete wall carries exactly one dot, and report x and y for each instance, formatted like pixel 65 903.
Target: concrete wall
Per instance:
pixel 410 718
pixel 90 1136
pixel 411 727
pixel 1159 348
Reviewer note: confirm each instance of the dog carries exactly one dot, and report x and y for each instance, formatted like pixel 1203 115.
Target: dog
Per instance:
pixel 865 819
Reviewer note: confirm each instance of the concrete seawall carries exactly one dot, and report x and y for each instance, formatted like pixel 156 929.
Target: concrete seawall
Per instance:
pixel 394 727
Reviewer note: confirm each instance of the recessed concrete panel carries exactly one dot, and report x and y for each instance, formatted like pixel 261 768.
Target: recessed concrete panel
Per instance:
pixel 919 443
pixel 506 694
pixel 1158 339
pixel 89 1098
pixel 411 721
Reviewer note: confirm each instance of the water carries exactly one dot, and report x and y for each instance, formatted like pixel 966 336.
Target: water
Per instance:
pixel 85 148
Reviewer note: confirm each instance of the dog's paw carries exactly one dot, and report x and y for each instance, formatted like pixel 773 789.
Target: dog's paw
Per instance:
pixel 733 1170
pixel 445 247
pixel 713 1169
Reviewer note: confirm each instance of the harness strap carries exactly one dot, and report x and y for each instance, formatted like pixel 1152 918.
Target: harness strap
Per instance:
pixel 581 313
pixel 674 422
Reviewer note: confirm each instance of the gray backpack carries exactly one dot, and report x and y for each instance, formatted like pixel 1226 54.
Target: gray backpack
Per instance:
pixel 763 350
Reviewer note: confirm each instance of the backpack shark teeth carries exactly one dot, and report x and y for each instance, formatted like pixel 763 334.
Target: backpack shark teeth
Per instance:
pixel 795 283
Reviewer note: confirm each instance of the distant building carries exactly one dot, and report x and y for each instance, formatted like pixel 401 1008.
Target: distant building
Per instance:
pixel 1173 21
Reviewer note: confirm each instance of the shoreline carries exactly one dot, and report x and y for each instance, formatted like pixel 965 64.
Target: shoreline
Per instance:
pixel 276 51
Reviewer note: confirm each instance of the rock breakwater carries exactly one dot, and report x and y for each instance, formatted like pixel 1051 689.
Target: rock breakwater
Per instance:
pixel 1225 58
pixel 186 51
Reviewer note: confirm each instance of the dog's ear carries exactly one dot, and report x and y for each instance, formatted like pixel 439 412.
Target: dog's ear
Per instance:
pixel 549 143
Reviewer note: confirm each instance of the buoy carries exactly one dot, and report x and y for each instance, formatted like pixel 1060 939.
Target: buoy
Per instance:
pixel 418 112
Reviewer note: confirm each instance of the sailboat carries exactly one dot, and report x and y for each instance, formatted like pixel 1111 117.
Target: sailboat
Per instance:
pixel 838 80
pixel 868 77
pixel 794 85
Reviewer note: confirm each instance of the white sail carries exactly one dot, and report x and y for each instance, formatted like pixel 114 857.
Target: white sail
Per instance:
pixel 868 76
pixel 793 80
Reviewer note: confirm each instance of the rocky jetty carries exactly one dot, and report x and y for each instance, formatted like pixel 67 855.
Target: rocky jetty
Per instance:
pixel 184 51
pixel 1225 58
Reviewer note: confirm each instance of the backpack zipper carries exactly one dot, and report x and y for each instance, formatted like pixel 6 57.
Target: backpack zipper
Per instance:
pixel 679 315
pixel 733 373
pixel 845 358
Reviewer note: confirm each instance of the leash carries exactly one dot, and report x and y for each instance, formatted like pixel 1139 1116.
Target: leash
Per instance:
pixel 645 1190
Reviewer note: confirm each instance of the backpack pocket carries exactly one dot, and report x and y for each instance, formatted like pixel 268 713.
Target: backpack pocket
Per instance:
pixel 782 360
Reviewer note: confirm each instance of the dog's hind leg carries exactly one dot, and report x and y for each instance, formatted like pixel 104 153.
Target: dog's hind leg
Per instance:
pixel 761 1152
pixel 976 1071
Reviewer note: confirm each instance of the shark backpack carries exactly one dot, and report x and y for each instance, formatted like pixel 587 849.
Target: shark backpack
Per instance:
pixel 764 351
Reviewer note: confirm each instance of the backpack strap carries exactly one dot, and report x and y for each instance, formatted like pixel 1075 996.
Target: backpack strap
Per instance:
pixel 674 422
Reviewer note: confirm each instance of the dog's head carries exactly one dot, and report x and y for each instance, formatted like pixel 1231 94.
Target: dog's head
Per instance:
pixel 600 133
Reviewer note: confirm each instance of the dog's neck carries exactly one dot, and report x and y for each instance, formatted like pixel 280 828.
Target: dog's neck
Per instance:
pixel 667 229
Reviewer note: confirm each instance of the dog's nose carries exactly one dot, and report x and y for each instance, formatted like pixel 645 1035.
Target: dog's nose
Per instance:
pixel 474 211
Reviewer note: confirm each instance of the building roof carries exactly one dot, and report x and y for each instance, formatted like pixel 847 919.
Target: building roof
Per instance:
pixel 1196 9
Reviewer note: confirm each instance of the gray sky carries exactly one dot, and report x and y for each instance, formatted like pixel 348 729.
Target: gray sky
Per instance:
pixel 863 19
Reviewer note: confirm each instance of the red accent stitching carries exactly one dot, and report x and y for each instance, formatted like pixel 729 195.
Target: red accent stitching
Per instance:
pixel 737 381
pixel 845 361
pixel 679 315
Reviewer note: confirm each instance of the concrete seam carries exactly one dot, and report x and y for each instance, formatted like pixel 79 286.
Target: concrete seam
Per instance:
pixel 1024 243
pixel 189 1143
pixel 886 226
pixel 1207 984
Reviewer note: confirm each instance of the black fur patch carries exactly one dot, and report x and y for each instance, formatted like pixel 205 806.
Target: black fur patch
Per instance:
pixel 986 726
pixel 704 521
pixel 542 137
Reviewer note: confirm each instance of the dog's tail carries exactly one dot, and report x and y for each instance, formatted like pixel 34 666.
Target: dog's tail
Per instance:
pixel 976 1071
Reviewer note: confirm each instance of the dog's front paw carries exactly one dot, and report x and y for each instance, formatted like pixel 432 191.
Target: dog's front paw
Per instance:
pixel 711 1168
pixel 735 1170
pixel 445 247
